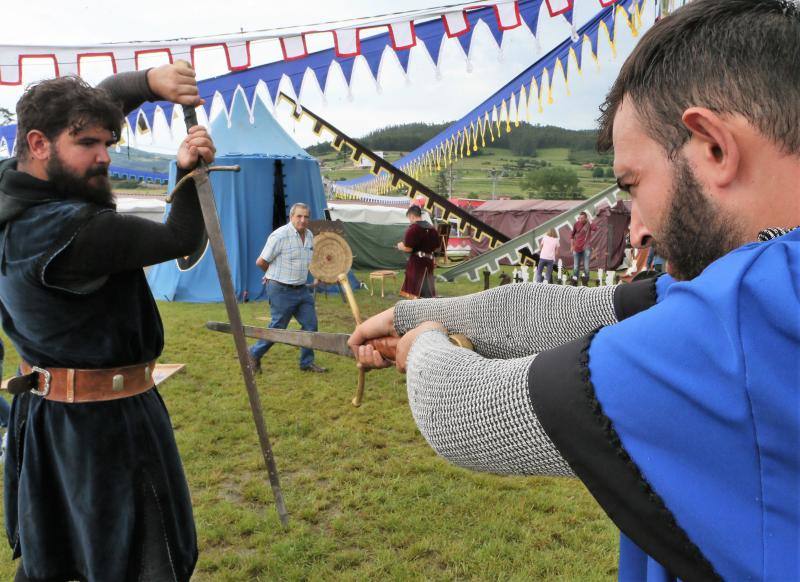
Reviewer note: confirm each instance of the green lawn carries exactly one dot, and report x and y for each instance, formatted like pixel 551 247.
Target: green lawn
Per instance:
pixel 472 172
pixel 368 499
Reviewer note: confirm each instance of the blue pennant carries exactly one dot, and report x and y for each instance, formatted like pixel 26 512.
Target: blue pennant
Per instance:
pixel 402 56
pixel 529 12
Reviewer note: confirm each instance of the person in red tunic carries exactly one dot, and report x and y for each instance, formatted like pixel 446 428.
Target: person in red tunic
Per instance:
pixel 421 240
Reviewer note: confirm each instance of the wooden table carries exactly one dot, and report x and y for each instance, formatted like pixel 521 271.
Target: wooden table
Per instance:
pixel 382 275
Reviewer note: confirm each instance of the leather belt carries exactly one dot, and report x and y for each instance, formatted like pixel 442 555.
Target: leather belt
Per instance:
pixel 75 385
pixel 422 255
pixel 290 285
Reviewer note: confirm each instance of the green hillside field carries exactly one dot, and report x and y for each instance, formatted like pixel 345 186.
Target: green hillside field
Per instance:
pixel 472 178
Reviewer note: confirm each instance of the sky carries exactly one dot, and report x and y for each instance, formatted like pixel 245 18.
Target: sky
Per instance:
pixel 425 95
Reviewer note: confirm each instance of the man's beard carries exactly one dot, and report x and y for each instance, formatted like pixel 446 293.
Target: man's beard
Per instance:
pixel 71 185
pixel 695 233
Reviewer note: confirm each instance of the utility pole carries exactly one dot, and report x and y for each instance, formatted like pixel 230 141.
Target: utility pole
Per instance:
pixel 495 175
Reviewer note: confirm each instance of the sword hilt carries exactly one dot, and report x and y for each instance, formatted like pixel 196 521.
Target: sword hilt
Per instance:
pixel 189 116
pixel 387 346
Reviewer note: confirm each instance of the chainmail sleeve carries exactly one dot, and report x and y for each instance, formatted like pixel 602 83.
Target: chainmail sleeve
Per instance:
pixel 477 413
pixel 515 320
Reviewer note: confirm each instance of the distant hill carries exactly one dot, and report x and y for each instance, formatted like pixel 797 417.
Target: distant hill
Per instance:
pixel 523 140
pixel 140 160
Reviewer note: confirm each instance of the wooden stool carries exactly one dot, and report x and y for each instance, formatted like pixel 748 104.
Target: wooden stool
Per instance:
pixel 382 275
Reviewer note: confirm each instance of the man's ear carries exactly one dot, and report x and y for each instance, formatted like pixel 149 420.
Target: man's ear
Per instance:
pixel 38 145
pixel 713 148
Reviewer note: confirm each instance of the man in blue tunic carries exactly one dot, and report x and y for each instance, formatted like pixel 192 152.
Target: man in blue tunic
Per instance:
pixel 94 488
pixel 675 400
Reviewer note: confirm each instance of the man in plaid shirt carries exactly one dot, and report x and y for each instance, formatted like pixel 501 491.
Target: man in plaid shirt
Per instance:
pixel 285 260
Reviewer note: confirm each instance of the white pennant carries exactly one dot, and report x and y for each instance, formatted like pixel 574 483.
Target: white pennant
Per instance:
pixel 507 15
pixel 455 23
pixel 294 47
pixel 402 34
pixel 347 44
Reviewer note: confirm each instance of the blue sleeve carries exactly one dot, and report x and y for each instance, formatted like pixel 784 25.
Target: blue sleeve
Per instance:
pixel 670 380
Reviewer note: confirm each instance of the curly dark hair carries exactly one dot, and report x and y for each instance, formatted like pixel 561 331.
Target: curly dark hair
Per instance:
pixel 730 56
pixel 64 104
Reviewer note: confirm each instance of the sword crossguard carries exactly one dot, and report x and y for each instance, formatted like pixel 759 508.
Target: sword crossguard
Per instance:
pixel 196 173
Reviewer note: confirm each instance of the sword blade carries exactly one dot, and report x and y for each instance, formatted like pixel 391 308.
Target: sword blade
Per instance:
pixel 334 343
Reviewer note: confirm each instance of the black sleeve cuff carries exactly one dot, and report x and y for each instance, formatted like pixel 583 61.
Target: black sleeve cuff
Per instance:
pixel 131 89
pixel 567 408
pixel 634 297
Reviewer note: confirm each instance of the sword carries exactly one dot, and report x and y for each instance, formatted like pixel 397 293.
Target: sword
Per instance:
pixel 205 196
pixel 333 343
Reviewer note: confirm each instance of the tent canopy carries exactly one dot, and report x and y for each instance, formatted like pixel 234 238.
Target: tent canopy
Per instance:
pixel 245 204
pixel 249 204
pixel 373 231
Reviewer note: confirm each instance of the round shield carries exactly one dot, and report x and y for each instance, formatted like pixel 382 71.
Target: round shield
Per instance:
pixel 332 257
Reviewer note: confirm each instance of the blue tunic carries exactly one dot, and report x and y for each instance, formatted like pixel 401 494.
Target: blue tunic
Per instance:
pixel 703 390
pixel 683 420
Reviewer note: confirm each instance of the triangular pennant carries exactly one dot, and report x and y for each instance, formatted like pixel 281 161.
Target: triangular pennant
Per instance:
pixel 434 46
pixel 577 50
pixel 609 21
pixel 273 85
pixel 496 31
pixel 402 57
pixel 373 59
pixel 347 68
pixel 250 94
pixel 466 40
pixel 529 11
pixel 297 82
pixel 594 36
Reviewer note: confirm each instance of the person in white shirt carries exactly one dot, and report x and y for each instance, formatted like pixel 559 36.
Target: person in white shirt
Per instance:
pixel 285 260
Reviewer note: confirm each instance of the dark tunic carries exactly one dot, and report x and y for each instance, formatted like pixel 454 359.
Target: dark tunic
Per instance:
pixel 421 237
pixel 88 485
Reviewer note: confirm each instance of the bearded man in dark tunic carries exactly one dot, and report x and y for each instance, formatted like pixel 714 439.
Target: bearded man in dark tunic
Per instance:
pixel 420 240
pixel 94 487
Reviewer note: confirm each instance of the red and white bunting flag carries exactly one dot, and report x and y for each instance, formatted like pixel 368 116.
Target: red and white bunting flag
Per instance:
pixel 507 15
pixel 79 57
pixel 403 35
pixel 238 54
pixel 557 7
pixel 346 42
pixel 455 23
pixel 294 47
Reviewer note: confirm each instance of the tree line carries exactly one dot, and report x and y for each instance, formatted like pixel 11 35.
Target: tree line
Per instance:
pixel 524 140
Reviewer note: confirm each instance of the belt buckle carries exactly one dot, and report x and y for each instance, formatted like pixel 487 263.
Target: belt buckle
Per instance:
pixel 47 377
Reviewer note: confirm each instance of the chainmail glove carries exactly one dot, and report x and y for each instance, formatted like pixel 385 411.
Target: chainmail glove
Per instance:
pixel 477 412
pixel 515 320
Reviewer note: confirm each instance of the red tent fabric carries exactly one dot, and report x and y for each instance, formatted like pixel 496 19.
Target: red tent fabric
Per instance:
pixel 516 217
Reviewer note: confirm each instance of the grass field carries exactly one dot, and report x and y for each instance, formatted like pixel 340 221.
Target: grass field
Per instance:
pixel 472 173
pixel 368 499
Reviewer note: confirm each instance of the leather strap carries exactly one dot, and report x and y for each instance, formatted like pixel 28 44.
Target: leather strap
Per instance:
pixel 73 385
